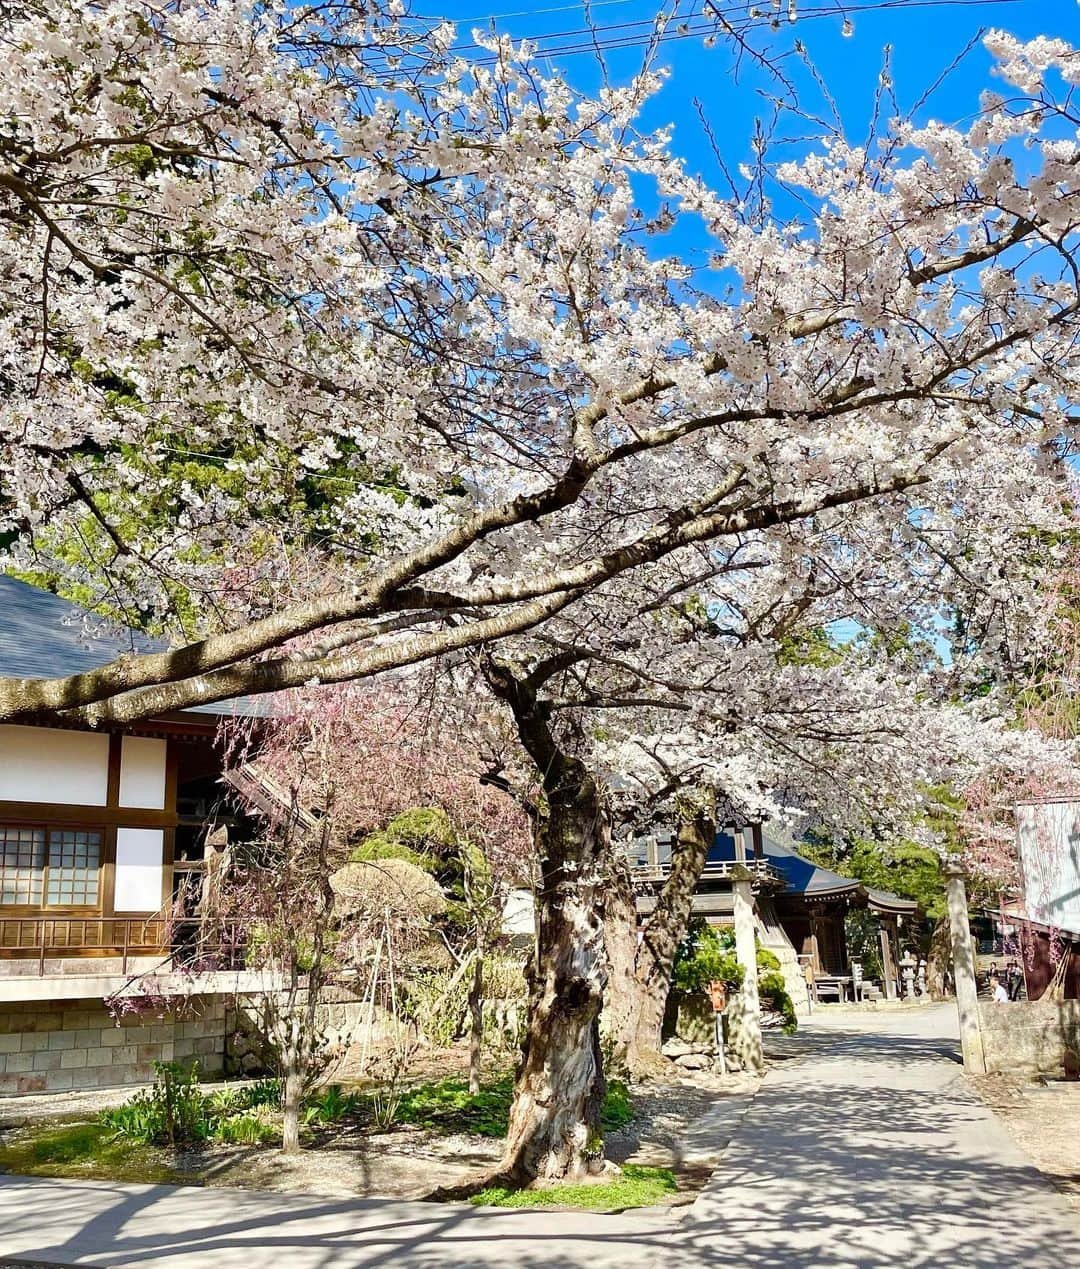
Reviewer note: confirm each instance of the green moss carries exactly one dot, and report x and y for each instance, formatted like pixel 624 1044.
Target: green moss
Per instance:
pixel 90 1150
pixel 636 1187
pixel 379 846
pixel 418 835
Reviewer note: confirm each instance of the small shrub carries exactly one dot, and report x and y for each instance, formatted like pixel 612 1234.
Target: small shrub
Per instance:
pixel 705 956
pixel 331 1106
pixel 248 1128
pixel 772 987
pixel 262 1094
pixel 138 1119
pixel 174 1112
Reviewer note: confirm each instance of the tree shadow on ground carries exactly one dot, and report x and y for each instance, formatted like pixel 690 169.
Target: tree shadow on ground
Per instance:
pixel 869 1150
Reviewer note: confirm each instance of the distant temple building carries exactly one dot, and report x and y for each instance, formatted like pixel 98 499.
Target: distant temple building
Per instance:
pixel 800 909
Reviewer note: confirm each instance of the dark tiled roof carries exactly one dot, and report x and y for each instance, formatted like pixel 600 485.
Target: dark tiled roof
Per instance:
pixel 45 637
pixel 803 877
pixel 809 879
pixel 886 901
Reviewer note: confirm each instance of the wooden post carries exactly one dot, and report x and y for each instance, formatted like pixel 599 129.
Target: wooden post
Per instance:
pixel 744 1012
pixel 967 997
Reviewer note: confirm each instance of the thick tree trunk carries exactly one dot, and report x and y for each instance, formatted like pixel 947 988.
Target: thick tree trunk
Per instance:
pixel 938 958
pixel 476 1021
pixel 622 1001
pixel 554 1132
pixel 639 998
pixel 554 1129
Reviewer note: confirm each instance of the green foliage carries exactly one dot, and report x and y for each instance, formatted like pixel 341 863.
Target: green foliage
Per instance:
pixel 249 1128
pixel 417 835
pixel 863 939
pixel 905 868
pixel 617 1110
pixel 378 846
pixel 176 1112
pixel 706 955
pixel 263 1093
pixel 771 986
pixel 446 1106
pixel 636 1187
pixel 331 1106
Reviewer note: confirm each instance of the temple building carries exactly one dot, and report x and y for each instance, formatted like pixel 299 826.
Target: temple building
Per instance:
pixel 800 909
pixel 98 830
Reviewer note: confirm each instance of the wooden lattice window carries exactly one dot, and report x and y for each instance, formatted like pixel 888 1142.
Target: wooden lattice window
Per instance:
pixel 22 865
pixel 49 867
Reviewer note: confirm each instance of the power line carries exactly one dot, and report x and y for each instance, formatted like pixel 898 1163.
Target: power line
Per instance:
pixel 743 17
pixel 522 13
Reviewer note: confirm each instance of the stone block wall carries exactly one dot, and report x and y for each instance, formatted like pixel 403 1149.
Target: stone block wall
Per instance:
pixel 1036 1037
pixel 343 1023
pixel 60 1045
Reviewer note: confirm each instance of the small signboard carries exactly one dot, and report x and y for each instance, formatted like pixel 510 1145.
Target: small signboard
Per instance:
pixel 1048 837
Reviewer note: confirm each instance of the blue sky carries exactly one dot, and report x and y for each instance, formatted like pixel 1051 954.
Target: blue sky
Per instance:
pixel 925 39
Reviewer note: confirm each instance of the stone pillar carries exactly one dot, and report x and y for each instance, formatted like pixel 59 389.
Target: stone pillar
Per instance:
pixel 744 1012
pixel 963 950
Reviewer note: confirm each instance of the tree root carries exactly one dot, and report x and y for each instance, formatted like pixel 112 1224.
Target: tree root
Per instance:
pixel 471 1186
pixel 515 1179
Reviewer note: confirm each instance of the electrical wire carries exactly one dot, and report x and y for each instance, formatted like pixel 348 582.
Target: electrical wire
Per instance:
pixel 616 36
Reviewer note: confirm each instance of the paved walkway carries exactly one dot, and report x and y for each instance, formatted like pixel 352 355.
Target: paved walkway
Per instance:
pixel 870 1150
pixel 864 1149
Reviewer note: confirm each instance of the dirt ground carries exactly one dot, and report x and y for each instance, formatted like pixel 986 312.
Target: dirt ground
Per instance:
pixel 1044 1120
pixel 409 1162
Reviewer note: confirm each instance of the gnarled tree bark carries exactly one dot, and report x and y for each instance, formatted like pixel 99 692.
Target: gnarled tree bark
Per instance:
pixel 554 1131
pixel 639 994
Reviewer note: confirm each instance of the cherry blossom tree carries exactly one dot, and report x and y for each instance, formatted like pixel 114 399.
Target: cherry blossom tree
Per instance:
pixel 711 710
pixel 299 904
pixel 278 275
pixel 292 281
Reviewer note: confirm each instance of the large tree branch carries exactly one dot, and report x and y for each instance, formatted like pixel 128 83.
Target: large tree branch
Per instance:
pixel 220 666
pixel 280 674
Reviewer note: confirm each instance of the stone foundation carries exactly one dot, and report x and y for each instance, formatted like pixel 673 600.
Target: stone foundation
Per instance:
pixel 1036 1037
pixel 59 1045
pixel 342 1021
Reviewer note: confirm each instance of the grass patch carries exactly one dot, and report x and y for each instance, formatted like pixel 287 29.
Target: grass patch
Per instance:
pixel 90 1150
pixel 637 1187
pixel 446 1106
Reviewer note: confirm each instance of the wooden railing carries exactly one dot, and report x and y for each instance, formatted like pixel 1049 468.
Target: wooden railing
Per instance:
pixel 39 938
pixel 716 870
